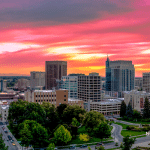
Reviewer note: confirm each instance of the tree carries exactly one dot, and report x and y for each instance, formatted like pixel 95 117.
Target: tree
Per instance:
pixel 72 112
pixel 146 111
pixel 102 131
pixel 75 122
pixel 123 109
pixel 33 133
pixel 84 137
pixel 136 114
pixel 60 109
pixel 128 142
pixel 92 119
pixel 2 144
pixel 51 146
pixel 62 136
pixel 100 148
pixel 129 111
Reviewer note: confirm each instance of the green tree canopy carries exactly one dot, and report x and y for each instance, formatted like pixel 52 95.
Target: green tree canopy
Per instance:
pixel 51 146
pixel 75 122
pixel 136 114
pixel 92 119
pixel 146 111
pixel 62 136
pixel 33 133
pixel 123 109
pixel 102 131
pixel 128 142
pixel 72 112
pixel 129 111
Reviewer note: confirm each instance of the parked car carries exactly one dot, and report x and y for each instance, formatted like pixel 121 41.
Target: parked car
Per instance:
pixel 72 147
pixel 9 137
pixel 82 146
pixel 13 144
pixel 6 131
pixel 99 144
pixel 11 141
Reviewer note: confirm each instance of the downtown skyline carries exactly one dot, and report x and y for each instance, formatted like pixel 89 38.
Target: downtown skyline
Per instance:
pixel 79 32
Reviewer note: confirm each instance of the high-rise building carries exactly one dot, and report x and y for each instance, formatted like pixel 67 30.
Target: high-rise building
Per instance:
pixel 90 87
pixel 71 84
pixel 146 82
pixel 120 76
pixel 37 79
pixel 54 70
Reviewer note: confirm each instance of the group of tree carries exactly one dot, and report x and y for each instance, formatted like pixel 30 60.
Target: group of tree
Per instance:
pixel 37 124
pixel 128 113
pixel 41 124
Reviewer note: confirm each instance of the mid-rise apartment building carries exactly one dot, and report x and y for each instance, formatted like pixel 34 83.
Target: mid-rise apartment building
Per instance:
pixel 4 108
pixel 37 79
pixel 146 82
pixel 90 87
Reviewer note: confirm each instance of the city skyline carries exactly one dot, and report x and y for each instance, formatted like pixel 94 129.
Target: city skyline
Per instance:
pixel 79 32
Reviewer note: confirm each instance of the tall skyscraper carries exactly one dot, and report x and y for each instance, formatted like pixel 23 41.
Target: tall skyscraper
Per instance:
pixel 120 76
pixel 54 70
pixel 37 78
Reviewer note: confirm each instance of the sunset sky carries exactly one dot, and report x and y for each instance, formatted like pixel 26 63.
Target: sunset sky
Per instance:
pixel 81 32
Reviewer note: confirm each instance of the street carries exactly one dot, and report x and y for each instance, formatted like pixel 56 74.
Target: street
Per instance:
pixel 5 138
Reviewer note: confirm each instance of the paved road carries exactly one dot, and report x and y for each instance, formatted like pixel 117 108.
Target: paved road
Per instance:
pixel 8 143
pixel 117 133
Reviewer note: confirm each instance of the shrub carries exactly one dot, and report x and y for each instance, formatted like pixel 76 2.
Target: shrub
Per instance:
pixel 130 127
pixel 84 137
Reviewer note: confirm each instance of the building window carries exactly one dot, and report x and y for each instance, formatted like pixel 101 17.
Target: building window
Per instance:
pixel 64 99
pixel 64 95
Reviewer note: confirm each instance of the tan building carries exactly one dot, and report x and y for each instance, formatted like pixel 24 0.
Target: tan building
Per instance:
pixel 55 97
pixel 54 70
pixel 107 107
pixel 136 99
pixel 146 82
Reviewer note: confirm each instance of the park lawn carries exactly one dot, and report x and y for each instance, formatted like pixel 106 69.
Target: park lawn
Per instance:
pixel 138 122
pixel 92 140
pixel 132 133
pixel 124 126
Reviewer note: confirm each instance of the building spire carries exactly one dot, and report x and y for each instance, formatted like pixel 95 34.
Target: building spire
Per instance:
pixel 107 58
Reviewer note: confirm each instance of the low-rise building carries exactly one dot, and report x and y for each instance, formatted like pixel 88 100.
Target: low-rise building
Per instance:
pixel 136 99
pixel 55 97
pixel 4 107
pixel 107 107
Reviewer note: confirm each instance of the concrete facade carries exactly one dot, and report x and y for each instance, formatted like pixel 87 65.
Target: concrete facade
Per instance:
pixel 107 107
pixel 55 97
pixel 4 108
pixel 136 99
pixel 90 88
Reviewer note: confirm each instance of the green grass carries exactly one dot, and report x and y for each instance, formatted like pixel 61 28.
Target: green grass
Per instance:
pixel 129 132
pixel 132 133
pixel 82 130
pixel 92 140
pixel 124 126
pixel 138 122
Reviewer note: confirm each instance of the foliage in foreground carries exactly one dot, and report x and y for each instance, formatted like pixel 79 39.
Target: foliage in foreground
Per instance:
pixel 2 144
